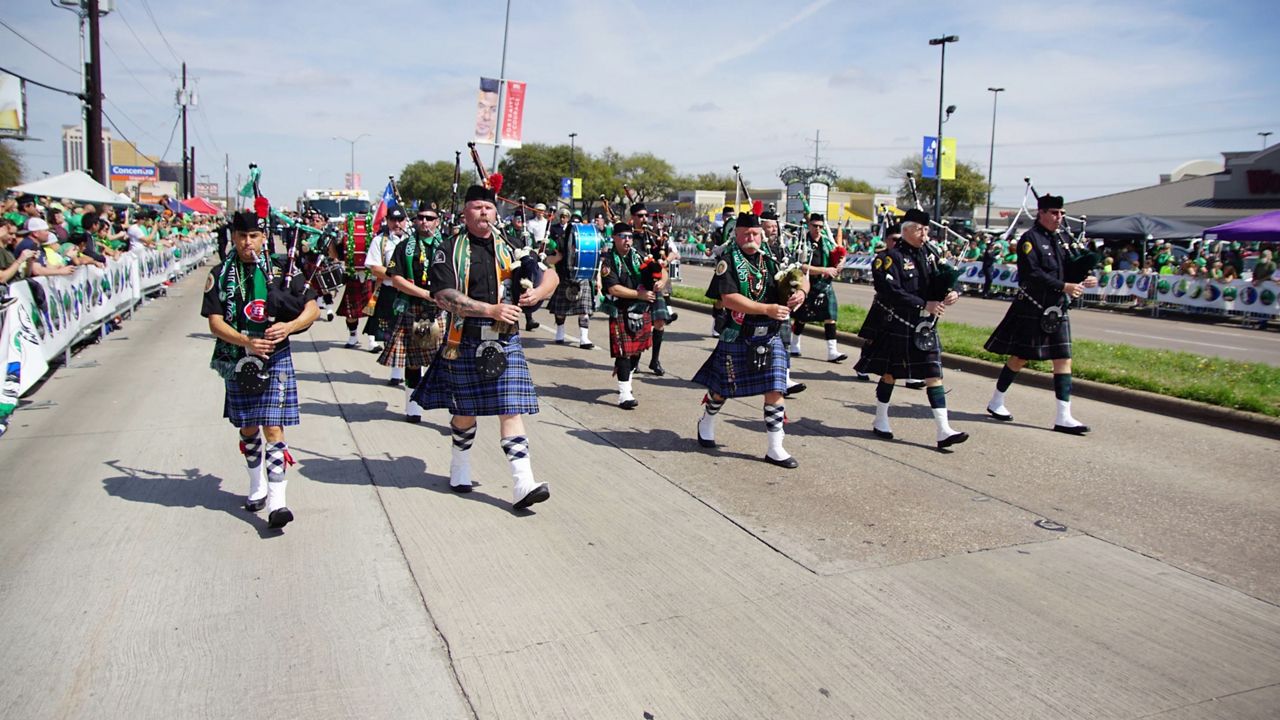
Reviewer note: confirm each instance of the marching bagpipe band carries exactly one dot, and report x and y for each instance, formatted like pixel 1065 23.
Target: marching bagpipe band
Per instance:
pixel 945 275
pixel 1081 263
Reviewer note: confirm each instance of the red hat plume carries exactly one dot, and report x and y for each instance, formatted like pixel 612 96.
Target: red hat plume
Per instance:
pixel 757 207
pixel 495 182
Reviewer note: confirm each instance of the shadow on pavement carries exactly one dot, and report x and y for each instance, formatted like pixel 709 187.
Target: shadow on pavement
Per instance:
pixel 401 473
pixel 351 412
pixel 355 377
pixel 189 489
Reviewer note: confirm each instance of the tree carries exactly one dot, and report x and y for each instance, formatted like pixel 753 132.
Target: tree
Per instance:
pixel 11 168
pixel 707 181
pixel 847 184
pixel 967 191
pixel 534 171
pixel 433 182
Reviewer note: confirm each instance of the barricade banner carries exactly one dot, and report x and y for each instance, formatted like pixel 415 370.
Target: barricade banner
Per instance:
pixel 52 313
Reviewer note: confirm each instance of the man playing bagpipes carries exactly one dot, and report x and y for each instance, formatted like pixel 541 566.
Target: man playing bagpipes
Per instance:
pixel 629 296
pixel 416 328
pixel 1036 327
pixel 648 246
pixel 749 359
pixel 381 248
pixel 721 238
pixel 253 304
pixel 775 246
pixel 912 292
pixel 481 369
pixel 572 297
pixel 821 305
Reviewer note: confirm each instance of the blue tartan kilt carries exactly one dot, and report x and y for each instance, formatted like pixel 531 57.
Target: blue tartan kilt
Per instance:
pixel 572 297
pixel 456 385
pixel 1019 334
pixel 890 351
pixel 276 407
pixel 820 304
pixel 728 371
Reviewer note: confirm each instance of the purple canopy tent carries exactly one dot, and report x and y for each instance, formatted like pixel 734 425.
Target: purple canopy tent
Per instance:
pixel 1258 228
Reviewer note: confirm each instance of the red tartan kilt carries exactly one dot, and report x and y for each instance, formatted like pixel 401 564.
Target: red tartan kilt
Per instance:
pixel 355 297
pixel 624 344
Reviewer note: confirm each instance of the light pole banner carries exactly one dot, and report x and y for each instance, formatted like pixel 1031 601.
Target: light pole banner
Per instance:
pixel 927 157
pixel 487 111
pixel 577 188
pixel 948 158
pixel 513 114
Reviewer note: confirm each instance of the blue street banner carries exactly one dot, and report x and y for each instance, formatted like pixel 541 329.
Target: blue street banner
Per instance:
pixel 566 187
pixel 928 157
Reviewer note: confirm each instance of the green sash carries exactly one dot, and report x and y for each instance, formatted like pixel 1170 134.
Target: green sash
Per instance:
pixel 237 296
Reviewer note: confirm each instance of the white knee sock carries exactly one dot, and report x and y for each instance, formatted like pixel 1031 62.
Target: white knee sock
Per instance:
pixel 774 415
pixel 882 417
pixel 1064 415
pixel 460 463
pixel 624 391
pixel 997 403
pixel 944 428
pixel 560 332
pixel 278 459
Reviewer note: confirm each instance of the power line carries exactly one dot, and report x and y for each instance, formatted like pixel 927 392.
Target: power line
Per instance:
pixel 131 120
pixel 37 47
pixel 147 7
pixel 207 126
pixel 117 128
pixel 165 154
pixel 46 87
pixel 120 60
pixel 141 44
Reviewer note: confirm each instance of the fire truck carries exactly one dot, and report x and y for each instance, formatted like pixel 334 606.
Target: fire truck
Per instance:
pixel 335 204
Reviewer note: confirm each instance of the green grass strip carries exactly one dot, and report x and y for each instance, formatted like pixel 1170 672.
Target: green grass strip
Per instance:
pixel 1250 386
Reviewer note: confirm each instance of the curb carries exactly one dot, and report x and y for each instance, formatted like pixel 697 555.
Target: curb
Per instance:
pixel 1238 420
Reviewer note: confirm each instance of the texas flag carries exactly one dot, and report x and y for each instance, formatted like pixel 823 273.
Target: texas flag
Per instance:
pixel 385 204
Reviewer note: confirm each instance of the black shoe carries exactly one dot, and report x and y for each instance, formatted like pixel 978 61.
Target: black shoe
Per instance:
pixel 255 505
pixel 1071 429
pixel 703 441
pixel 532 325
pixel 656 367
pixel 953 440
pixel 795 390
pixel 790 463
pixel 628 404
pixel 587 346
pixel 882 434
pixel 999 416
pixel 393 382
pixel 460 488
pixel 839 358
pixel 279 518
pixel 861 377
pixel 674 317
pixel 536 495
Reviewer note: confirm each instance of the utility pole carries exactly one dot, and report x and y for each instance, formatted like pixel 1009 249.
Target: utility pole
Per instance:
pixel 191 179
pixel 93 123
pixel 226 179
pixel 502 82
pixel 182 102
pixel 817 138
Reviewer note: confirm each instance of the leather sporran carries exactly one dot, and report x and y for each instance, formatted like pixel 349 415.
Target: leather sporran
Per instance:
pixel 925 336
pixel 251 375
pixel 491 360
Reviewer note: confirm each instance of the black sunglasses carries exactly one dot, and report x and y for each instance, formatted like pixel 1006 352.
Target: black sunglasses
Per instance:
pixel 428 217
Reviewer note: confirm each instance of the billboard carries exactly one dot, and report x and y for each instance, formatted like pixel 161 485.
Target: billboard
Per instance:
pixel 133 172
pixel 13 106
pixel 207 189
pixel 487 111
pixel 513 114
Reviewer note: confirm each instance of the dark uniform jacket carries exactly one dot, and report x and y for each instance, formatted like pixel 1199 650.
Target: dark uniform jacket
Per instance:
pixel 1042 260
pixel 901 277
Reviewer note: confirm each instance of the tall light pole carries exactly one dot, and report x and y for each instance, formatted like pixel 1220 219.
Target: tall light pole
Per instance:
pixel 1264 138
pixel 502 81
pixel 995 95
pixel 937 158
pixel 352 178
pixel 572 166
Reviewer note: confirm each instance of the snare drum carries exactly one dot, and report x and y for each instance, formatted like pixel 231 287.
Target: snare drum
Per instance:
pixel 330 276
pixel 584 252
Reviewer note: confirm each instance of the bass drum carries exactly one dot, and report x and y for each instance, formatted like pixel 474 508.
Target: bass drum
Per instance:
pixel 584 252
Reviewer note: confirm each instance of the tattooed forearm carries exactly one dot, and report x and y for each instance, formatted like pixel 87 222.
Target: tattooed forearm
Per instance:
pixel 456 302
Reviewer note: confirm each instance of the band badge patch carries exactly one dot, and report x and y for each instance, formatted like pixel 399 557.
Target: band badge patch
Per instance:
pixel 438 257
pixel 888 262
pixel 908 265
pixel 721 267
pixel 1026 247
pixel 876 265
pixel 208 282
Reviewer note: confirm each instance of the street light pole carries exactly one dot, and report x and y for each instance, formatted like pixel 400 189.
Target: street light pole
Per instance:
pixel 995 95
pixel 351 179
pixel 572 166
pixel 937 158
pixel 1264 138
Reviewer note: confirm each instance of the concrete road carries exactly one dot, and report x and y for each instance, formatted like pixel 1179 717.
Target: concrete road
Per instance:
pixel 1129 574
pixel 1225 339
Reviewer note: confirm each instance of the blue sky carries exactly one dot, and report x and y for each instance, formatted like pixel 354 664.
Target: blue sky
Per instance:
pixel 1100 97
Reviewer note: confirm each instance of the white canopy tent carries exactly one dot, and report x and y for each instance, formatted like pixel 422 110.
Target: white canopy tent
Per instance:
pixel 74 185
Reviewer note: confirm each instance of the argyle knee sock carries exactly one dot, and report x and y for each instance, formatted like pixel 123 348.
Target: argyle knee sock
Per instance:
pixel 774 416
pixel 707 423
pixel 278 460
pixel 516 448
pixel 460 462
pixel 251 448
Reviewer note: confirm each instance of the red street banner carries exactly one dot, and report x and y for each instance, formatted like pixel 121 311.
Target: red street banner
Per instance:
pixel 513 114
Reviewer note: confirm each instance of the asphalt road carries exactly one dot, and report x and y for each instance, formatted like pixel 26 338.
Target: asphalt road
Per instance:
pixel 1025 575
pixel 1224 339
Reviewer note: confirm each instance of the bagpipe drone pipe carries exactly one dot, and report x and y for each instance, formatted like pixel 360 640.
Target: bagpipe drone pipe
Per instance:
pixel 1081 260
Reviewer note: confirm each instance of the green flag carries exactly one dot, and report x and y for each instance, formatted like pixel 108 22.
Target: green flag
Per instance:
pixel 247 190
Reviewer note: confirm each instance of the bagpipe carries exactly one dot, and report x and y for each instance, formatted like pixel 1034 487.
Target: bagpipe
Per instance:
pixel 326 274
pixel 1082 260
pixel 942 281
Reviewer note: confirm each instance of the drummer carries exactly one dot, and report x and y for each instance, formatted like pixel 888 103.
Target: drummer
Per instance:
pixel 572 297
